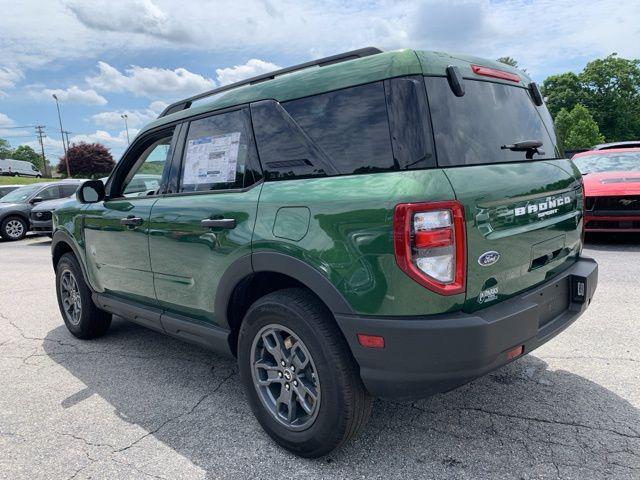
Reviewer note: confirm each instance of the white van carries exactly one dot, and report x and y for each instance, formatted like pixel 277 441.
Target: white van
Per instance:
pixel 18 168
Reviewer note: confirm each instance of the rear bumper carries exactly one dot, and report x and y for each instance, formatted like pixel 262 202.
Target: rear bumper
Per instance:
pixel 427 355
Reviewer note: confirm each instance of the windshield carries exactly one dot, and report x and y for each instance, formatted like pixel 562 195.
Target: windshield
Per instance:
pixel 470 130
pixel 21 194
pixel 608 162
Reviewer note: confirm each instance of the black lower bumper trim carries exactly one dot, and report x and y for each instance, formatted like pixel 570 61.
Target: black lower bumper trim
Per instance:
pixel 432 354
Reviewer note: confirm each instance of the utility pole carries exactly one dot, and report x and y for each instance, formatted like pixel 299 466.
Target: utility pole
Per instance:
pixel 66 160
pixel 41 136
pixel 126 127
pixel 66 134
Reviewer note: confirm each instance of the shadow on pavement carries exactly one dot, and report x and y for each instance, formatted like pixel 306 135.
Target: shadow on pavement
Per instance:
pixel 522 421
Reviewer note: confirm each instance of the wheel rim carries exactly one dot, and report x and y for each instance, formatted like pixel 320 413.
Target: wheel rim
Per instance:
pixel 14 228
pixel 70 295
pixel 285 377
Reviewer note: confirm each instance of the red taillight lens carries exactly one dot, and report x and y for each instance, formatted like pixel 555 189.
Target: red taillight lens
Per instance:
pixel 495 73
pixel 430 244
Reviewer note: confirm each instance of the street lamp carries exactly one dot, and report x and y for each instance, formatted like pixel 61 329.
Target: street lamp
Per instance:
pixel 126 127
pixel 66 160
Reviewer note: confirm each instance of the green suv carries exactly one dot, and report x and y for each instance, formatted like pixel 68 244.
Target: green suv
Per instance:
pixel 372 224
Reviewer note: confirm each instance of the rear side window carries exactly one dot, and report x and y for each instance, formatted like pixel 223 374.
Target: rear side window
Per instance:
pixel 470 130
pixel 377 127
pixel 350 126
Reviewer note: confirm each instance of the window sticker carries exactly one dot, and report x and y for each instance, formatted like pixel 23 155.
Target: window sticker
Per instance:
pixel 212 159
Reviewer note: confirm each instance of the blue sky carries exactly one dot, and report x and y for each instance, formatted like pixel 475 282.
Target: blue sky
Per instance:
pixel 104 58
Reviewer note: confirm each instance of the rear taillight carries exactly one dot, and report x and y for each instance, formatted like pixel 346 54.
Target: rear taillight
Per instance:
pixel 430 245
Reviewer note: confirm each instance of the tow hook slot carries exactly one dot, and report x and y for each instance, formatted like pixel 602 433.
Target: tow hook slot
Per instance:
pixel 546 252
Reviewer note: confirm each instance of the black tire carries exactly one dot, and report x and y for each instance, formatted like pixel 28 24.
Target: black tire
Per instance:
pixel 10 228
pixel 344 405
pixel 90 322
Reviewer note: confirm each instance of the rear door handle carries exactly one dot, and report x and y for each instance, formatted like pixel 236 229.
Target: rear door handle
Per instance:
pixel 227 223
pixel 131 221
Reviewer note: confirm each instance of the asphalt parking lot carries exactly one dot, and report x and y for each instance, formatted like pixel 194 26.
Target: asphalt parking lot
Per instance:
pixel 136 404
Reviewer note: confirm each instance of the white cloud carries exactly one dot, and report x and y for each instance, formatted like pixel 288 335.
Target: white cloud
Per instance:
pixel 136 16
pixel 75 95
pixel 103 137
pixel 149 82
pixel 8 79
pixel 135 118
pixel 250 69
pixel 5 121
pixel 158 106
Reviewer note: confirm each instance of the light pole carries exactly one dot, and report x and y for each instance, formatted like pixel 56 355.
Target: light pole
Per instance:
pixel 66 160
pixel 126 127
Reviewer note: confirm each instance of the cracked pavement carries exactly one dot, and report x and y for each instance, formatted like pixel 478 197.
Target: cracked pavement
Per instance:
pixel 136 404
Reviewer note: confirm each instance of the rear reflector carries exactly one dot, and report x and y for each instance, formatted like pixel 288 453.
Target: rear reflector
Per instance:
pixel 515 352
pixel 371 341
pixel 495 73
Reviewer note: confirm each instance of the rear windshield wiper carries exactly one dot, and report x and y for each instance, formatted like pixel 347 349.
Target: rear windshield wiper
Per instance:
pixel 529 146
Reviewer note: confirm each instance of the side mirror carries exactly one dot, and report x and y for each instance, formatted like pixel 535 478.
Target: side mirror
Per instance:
pixel 91 191
pixel 35 200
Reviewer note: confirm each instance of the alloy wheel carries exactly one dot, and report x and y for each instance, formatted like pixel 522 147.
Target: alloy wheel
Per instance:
pixel 14 229
pixel 285 377
pixel 70 295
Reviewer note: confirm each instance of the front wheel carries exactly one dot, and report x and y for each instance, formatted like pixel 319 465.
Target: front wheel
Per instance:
pixel 81 316
pixel 301 380
pixel 13 228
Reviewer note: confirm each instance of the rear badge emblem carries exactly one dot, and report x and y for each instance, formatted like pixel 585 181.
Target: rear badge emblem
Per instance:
pixel 488 258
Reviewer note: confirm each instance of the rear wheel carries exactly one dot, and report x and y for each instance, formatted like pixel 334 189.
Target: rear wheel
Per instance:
pixel 301 380
pixel 13 228
pixel 81 316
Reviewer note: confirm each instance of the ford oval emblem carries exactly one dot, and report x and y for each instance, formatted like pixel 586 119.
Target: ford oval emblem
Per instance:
pixel 488 258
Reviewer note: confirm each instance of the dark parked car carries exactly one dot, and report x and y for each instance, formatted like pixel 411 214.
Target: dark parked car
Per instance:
pixel 343 236
pixel 41 214
pixel 4 189
pixel 16 206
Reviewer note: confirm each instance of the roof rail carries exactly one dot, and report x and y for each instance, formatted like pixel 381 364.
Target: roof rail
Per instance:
pixel 341 57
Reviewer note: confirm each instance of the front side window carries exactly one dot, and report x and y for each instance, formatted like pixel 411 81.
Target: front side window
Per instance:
pixel 49 193
pixel 145 176
pixel 476 128
pixel 218 153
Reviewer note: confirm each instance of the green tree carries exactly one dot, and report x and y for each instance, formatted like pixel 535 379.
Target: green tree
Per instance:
pixel 511 61
pixel 612 93
pixel 609 88
pixel 562 91
pixel 28 154
pixel 577 129
pixel 5 149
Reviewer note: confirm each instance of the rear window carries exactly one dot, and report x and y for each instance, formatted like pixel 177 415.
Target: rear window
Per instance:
pixel 470 130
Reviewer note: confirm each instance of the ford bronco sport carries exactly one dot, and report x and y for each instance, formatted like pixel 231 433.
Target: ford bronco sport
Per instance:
pixel 373 224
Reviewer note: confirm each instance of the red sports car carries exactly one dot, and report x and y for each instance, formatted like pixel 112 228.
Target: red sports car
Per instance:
pixel 612 189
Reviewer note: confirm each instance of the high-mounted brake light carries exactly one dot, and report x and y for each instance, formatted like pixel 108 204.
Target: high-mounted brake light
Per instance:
pixel 495 73
pixel 430 244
